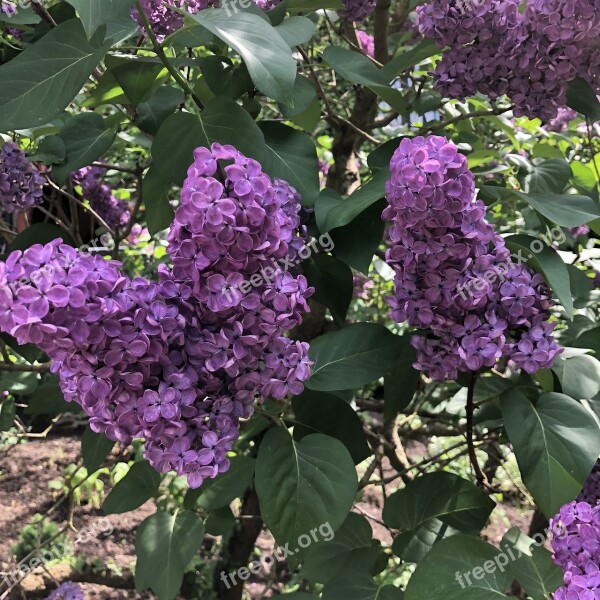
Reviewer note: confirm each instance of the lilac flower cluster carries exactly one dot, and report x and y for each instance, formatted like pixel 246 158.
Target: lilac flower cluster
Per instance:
pixel 576 550
pixel 591 489
pixel 441 248
pixel 179 361
pixel 67 591
pixel 21 184
pixel 113 211
pixel 9 9
pixel 356 10
pixel 165 21
pixel 561 122
pixel 531 57
pixel 367 42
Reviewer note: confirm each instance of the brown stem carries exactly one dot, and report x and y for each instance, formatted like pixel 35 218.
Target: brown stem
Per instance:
pixel 239 549
pixel 15 368
pixel 479 475
pixel 381 20
pixel 41 11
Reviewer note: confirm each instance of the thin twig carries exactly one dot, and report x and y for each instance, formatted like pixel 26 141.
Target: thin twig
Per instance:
pixel 464 117
pixel 19 368
pixel 479 474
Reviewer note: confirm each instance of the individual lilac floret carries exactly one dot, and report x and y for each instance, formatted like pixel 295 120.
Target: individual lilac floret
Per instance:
pixel 356 10
pixel 67 591
pixel 113 211
pixel 454 278
pixel 21 184
pixel 165 21
pixel 367 42
pixel 267 4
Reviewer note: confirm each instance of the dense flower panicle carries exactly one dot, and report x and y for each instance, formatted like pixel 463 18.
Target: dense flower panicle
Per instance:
pixel 113 211
pixel 454 276
pixel 165 21
pixel 367 42
pixel 177 362
pixel 356 10
pixel 67 591
pixel 21 184
pixel 531 57
pixel 576 550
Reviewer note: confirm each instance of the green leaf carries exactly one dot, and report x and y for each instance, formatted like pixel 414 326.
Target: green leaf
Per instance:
pixel 38 233
pixel 86 139
pixel 400 383
pixel 159 213
pixel 410 58
pixel 332 280
pixel 332 215
pixel 533 568
pixel 266 54
pixel 38 84
pixel 455 569
pixel 137 79
pixel 556 442
pixel 138 486
pixel 95 447
pixel 8 412
pixel 303 485
pixel 19 383
pixel 549 176
pixel 359 585
pixel 164 545
pixel 291 155
pixel 304 95
pixel 115 14
pixel 547 262
pixel 48 399
pixel 296 30
pixel 226 487
pixel 582 98
pixel 316 412
pixel 222 120
pixel 151 114
pixel 311 5
pixel 357 242
pixel 352 357
pixel 435 502
pixel 351 549
pixel 579 375
pixel 382 155
pixel 584 177
pixel 354 67
pixel 566 210
pixel 50 150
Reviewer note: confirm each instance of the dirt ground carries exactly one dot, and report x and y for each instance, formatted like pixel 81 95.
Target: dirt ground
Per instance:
pixel 27 469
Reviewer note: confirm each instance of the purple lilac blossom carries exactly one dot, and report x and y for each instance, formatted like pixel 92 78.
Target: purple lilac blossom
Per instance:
pixel 576 550
pixel 165 21
pixel 591 490
pixel 367 42
pixel 180 361
pixel 21 184
pixel 561 122
pixel 67 591
pixel 454 277
pixel 113 211
pixel 356 10
pixel 494 49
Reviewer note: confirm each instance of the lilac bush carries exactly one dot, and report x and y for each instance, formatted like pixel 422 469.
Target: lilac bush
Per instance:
pixel 454 276
pixel 21 184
